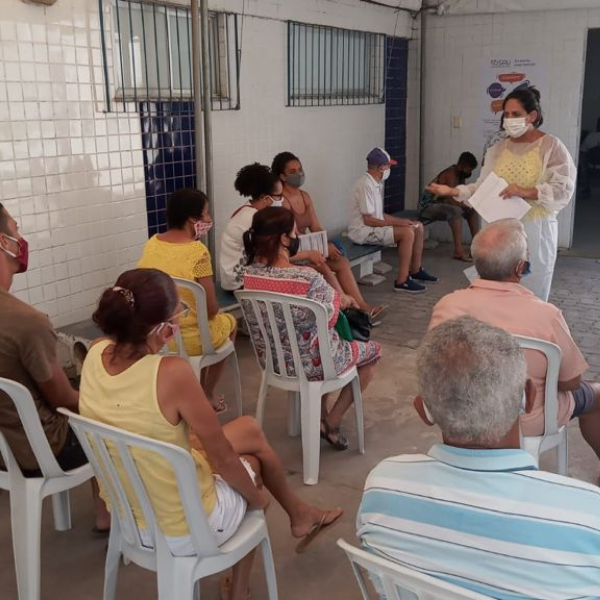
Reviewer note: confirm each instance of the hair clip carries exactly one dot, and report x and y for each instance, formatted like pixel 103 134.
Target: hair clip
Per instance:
pixel 127 294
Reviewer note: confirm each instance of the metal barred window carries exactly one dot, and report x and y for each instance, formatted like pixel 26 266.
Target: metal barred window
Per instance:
pixel 149 46
pixel 329 66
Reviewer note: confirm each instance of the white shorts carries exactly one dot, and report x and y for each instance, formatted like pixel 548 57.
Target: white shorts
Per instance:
pixel 372 236
pixel 224 520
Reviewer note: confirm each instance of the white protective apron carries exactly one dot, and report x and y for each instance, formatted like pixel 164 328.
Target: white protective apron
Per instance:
pixel 542 243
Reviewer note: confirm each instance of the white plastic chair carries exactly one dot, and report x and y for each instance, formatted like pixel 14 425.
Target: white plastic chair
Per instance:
pixel 554 436
pixel 305 396
pixel 211 354
pixel 178 576
pixel 27 493
pixel 399 582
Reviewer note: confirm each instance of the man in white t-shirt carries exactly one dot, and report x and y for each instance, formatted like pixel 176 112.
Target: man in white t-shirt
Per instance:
pixel 369 225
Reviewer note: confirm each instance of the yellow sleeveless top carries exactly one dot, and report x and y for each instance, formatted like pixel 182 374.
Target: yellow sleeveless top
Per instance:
pixel 526 170
pixel 129 401
pixel 189 261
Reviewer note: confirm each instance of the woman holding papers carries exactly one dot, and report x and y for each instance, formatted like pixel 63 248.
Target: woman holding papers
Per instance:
pixel 288 168
pixel 538 168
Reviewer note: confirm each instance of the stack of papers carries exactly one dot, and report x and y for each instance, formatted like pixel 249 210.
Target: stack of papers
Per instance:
pixel 314 241
pixel 491 206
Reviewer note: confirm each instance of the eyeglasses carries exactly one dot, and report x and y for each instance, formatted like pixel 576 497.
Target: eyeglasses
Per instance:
pixel 183 313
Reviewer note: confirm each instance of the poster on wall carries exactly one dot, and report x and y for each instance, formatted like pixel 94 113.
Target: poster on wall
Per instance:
pixel 501 75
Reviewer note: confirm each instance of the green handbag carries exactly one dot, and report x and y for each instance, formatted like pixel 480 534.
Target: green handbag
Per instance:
pixel 343 327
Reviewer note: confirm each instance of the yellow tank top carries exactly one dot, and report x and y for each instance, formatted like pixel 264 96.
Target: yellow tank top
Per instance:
pixel 526 170
pixel 129 401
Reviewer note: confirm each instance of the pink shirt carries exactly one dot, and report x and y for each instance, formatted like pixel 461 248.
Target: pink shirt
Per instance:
pixel 516 309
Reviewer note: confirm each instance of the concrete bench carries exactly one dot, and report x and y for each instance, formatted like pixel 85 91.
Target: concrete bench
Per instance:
pixel 363 257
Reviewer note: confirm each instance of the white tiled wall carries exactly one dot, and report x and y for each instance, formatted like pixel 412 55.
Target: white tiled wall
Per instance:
pixel 73 176
pixel 453 50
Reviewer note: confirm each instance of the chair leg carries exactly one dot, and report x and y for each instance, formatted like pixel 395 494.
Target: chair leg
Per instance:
pixel 61 508
pixel 293 414
pixel 563 455
pixel 112 563
pixel 262 398
pixel 358 407
pixel 269 567
pixel 237 382
pixel 176 584
pixel 26 521
pixel 310 422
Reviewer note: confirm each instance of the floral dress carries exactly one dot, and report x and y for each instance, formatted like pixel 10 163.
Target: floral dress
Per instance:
pixel 306 283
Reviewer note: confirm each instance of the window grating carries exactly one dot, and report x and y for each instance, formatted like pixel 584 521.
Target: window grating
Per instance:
pixel 150 49
pixel 329 66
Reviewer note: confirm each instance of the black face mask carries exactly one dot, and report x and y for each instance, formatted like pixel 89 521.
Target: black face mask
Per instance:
pixel 294 246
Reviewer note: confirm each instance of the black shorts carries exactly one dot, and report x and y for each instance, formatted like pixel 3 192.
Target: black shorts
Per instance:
pixel 70 457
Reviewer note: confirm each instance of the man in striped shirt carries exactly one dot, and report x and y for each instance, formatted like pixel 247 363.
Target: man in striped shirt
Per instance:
pixel 475 511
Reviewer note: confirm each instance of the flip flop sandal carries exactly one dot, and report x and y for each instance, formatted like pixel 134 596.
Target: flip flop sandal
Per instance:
pixel 101 532
pixel 465 258
pixel 221 406
pixel 225 589
pixel 317 528
pixel 342 441
pixel 375 312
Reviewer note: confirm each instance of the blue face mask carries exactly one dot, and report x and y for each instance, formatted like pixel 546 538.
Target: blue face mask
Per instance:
pixel 527 269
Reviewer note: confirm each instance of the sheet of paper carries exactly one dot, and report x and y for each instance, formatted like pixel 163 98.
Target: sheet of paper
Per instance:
pixel 491 206
pixel 471 273
pixel 314 241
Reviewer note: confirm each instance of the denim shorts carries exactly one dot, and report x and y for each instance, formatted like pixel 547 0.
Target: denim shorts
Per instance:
pixel 584 399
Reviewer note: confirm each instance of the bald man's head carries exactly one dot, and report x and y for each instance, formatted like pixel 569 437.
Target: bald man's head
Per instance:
pixel 498 250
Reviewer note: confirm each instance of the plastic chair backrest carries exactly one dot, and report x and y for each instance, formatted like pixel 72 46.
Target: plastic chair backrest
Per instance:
pixel 396 580
pixel 553 357
pixel 251 302
pixel 201 315
pixel 99 440
pixel 32 425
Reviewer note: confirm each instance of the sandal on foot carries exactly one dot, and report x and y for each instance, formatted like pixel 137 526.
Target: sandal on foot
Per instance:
pixel 463 258
pixel 316 529
pixel 221 405
pixel 377 310
pixel 342 441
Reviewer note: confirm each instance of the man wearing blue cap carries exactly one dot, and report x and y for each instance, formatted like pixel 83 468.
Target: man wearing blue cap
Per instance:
pixel 370 225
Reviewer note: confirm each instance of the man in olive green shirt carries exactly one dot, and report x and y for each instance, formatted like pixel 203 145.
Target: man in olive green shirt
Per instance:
pixel 28 355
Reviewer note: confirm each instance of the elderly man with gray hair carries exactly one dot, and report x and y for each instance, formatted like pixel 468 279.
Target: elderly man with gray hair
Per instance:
pixel 475 511
pixel 500 255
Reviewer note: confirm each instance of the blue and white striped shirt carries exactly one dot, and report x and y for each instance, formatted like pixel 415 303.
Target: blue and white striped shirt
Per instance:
pixel 486 520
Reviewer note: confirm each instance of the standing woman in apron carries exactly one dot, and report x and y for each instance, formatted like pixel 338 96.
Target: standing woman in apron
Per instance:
pixel 539 169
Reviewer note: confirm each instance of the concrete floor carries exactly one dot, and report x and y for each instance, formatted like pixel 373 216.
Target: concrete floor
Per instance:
pixel 72 562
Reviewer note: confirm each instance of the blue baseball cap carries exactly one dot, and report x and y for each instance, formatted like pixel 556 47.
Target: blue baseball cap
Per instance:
pixel 379 157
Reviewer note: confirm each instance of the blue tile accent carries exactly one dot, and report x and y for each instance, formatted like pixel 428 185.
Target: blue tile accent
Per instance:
pixel 395 120
pixel 169 155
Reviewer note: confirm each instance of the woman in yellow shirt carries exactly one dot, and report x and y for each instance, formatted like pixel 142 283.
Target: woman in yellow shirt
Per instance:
pixel 179 253
pixel 126 383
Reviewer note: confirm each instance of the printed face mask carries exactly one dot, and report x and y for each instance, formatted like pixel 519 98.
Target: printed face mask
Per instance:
pixel 516 127
pixel 23 255
pixel 296 179
pixel 202 228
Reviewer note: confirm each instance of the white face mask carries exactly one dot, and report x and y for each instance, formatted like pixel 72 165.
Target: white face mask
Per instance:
pixel 386 174
pixel 277 203
pixel 516 127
